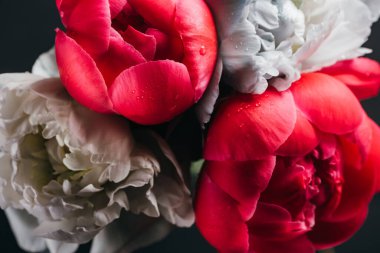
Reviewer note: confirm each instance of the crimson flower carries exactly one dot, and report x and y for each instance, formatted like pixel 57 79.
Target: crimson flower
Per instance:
pixel 144 59
pixel 291 171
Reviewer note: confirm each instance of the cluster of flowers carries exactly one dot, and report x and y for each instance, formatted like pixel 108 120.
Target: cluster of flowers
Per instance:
pixel 291 158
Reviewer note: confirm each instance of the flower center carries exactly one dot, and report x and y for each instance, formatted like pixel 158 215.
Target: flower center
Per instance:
pixel 153 43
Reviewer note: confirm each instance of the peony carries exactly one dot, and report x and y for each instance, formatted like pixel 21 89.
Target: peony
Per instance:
pixel 69 174
pixel 146 60
pixel 290 171
pixel 269 43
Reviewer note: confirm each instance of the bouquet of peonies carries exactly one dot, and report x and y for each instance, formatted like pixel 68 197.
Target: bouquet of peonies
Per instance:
pixel 102 139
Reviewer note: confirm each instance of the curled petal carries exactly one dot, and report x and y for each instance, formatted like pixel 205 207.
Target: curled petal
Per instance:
pixel 327 235
pixel 218 218
pixel 303 139
pixel 243 181
pixel 327 103
pixel 152 92
pixel 199 42
pixel 361 75
pixel 250 127
pixel 120 56
pixel 80 75
pixel 93 32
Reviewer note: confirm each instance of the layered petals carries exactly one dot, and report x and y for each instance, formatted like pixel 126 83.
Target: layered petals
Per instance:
pixel 120 39
pixel 218 218
pixel 249 127
pixel 327 103
pixel 361 75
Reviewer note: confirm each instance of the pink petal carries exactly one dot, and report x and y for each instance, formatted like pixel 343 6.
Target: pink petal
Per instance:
pixel 361 75
pixel 358 189
pixel 327 103
pixel 330 234
pixel 168 47
pixel 159 14
pixel 88 22
pixel 152 92
pixel 300 244
pixel 303 139
pixel 145 44
pixel 243 181
pixel 373 159
pixel 116 6
pixel 273 222
pixel 218 219
pixel 195 25
pixel 119 56
pixel 251 127
pixel 80 75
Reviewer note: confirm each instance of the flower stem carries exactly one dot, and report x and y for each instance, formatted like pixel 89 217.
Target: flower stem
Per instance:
pixel 327 251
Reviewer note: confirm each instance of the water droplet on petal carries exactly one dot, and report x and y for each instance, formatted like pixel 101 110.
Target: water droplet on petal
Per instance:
pixel 258 104
pixel 202 51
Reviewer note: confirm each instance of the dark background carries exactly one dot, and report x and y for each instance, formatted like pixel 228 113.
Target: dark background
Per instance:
pixel 27 30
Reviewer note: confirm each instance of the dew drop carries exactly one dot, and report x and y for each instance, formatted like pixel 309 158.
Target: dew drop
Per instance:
pixel 202 50
pixel 258 104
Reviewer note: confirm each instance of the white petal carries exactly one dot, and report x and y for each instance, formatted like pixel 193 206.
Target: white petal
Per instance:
pixel 61 247
pixel 22 225
pixel 46 65
pixel 125 234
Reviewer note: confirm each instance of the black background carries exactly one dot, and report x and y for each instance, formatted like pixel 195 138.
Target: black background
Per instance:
pixel 27 30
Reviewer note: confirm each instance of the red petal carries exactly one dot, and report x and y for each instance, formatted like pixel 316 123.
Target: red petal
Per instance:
pixel 145 44
pixel 330 234
pixel 373 159
pixel 361 75
pixel 116 6
pixel 80 75
pixel 357 190
pixel 159 14
pixel 298 245
pixel 327 103
pixel 167 47
pixel 195 25
pixel 88 22
pixel 218 218
pixel 251 127
pixel 273 222
pixel 119 56
pixel 243 181
pixel 303 139
pixel 152 92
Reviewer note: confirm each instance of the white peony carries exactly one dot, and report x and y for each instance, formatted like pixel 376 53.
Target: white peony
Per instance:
pixel 68 173
pixel 270 42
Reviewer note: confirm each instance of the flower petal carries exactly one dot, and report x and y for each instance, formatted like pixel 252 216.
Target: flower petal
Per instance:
pixel 124 234
pixel 119 57
pixel 145 44
pixel 243 181
pixel 361 75
pixel 116 6
pixel 250 127
pixel 91 33
pixel 46 65
pixel 330 234
pixel 218 218
pixel 61 247
pixel 22 225
pixel 195 25
pixel 300 244
pixel 302 140
pixel 80 75
pixel 327 103
pixel 152 92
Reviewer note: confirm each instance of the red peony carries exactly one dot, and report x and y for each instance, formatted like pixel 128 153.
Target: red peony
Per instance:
pixel 147 60
pixel 290 171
